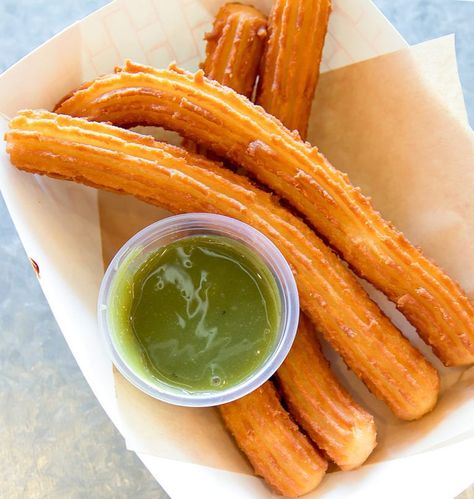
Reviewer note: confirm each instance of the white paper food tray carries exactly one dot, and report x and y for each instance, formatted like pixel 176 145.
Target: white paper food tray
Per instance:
pixel 59 225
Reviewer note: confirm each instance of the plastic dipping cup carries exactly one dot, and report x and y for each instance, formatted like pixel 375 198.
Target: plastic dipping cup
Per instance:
pixel 169 230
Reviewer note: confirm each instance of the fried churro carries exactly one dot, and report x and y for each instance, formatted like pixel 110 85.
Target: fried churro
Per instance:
pixel 278 451
pixel 263 430
pixel 110 158
pixel 333 420
pixel 290 66
pixel 321 406
pixel 234 128
pixel 234 47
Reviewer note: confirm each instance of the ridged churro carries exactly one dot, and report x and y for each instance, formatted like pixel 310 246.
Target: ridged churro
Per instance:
pixel 333 420
pixel 110 158
pixel 278 451
pixel 234 47
pixel 263 430
pixel 289 75
pixel 290 66
pixel 321 406
pixel 234 128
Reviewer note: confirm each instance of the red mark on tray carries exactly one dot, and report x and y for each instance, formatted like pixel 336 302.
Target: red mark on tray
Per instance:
pixel 35 267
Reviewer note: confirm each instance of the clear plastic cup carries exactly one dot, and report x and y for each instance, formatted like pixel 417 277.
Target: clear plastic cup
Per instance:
pixel 171 229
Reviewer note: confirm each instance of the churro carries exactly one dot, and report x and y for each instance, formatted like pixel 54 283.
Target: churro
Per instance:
pixel 234 49
pixel 321 406
pixel 277 450
pixel 110 158
pixel 290 66
pixel 234 128
pixel 235 46
pixel 330 416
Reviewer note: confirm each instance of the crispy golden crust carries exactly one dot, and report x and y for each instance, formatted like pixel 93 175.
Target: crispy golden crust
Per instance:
pixel 111 158
pixel 289 75
pixel 327 412
pixel 278 451
pixel 290 66
pixel 235 46
pixel 231 126
pixel 320 405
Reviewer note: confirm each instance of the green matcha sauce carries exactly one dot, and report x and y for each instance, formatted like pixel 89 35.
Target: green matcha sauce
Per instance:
pixel 200 314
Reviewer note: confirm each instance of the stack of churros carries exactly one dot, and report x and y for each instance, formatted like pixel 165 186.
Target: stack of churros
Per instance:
pixel 294 424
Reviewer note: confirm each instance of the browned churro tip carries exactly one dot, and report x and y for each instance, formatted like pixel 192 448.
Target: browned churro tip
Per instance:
pixel 235 46
pixel 211 35
pixel 234 49
pixel 290 66
pixel 321 406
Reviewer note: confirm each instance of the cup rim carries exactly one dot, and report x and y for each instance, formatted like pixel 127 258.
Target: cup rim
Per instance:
pixel 255 241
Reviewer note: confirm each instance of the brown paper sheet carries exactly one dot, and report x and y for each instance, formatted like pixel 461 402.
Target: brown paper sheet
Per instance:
pixel 385 123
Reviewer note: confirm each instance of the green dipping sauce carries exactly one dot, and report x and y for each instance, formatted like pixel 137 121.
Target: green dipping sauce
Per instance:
pixel 201 314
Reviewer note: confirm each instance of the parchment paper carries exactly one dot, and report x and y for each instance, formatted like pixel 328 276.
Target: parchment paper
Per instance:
pixel 386 122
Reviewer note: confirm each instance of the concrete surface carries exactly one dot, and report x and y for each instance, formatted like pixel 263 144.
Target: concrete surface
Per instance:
pixel 56 441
